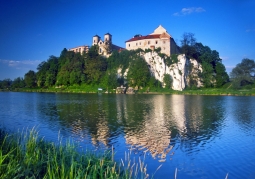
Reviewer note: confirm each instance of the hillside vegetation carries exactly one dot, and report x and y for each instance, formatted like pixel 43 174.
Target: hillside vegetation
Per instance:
pixel 88 71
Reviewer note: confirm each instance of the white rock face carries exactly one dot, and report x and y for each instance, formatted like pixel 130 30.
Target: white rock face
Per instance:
pixel 180 71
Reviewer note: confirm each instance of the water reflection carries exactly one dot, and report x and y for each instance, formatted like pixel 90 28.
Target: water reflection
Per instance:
pixel 200 130
pixel 148 124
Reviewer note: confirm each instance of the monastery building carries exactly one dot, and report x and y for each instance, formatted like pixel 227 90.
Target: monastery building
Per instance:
pixel 159 38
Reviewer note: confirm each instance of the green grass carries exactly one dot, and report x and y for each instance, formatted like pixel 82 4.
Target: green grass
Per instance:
pixel 28 156
pixel 226 89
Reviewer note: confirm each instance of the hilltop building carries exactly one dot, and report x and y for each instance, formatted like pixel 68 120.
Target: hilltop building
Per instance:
pixel 105 47
pixel 159 38
pixel 80 49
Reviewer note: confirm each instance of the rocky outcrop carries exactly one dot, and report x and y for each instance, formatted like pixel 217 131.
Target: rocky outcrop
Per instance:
pixel 183 72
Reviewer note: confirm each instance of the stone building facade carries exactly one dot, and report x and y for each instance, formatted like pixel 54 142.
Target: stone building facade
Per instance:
pixel 105 47
pixel 159 38
pixel 80 49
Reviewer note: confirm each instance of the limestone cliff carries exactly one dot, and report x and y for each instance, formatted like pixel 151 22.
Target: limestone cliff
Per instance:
pixel 182 72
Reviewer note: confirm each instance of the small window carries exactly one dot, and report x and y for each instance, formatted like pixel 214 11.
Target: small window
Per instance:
pixel 140 43
pixel 100 43
pixel 94 41
pixel 164 42
pixel 136 44
pixel 129 45
pixel 149 42
pixel 100 50
pixel 156 42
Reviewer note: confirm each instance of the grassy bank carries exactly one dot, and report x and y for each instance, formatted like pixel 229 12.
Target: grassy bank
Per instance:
pixel 225 90
pixel 28 156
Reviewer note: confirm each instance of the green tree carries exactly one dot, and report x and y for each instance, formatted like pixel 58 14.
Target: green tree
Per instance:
pixel 207 75
pixel 30 79
pixel 95 69
pixel 221 75
pixel 110 80
pixel 138 73
pixel 244 73
pixel 168 81
pixel 6 83
pixel 18 83
pixel 188 44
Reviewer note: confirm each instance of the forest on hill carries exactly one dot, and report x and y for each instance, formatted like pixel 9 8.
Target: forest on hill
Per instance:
pixel 90 68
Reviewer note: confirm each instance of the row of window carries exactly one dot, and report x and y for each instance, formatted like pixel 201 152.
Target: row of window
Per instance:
pixel 156 42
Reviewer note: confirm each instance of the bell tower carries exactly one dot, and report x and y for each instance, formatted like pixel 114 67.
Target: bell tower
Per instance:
pixel 108 37
pixel 95 40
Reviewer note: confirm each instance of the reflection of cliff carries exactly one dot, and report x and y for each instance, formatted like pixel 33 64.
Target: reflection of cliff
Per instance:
pixel 103 133
pixel 154 136
pixel 162 117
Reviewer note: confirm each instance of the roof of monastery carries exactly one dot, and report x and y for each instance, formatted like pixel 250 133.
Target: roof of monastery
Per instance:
pixel 155 35
pixel 118 48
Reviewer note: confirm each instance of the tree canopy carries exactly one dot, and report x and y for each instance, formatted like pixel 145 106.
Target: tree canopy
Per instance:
pixel 244 73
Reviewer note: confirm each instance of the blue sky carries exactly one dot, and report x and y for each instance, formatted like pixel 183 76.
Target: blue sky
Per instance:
pixel 32 30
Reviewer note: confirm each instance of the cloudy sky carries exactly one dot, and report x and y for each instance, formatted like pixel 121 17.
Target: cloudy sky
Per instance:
pixel 32 30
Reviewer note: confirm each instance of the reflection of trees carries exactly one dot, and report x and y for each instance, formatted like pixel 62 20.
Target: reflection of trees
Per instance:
pixel 87 117
pixel 148 121
pixel 242 109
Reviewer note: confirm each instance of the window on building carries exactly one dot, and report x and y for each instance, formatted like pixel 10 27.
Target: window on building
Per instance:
pixel 149 42
pixel 129 45
pixel 94 41
pixel 136 44
pixel 140 43
pixel 100 50
pixel 164 42
pixel 100 43
pixel 156 42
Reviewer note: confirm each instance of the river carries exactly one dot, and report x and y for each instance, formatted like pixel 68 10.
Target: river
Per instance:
pixel 200 136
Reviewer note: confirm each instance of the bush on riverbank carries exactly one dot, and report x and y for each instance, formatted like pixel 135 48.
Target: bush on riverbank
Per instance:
pixel 28 156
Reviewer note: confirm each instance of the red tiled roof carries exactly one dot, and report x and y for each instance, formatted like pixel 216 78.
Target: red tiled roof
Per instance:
pixel 155 36
pixel 115 47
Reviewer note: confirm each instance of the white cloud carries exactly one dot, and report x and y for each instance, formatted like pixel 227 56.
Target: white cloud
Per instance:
pixel 21 64
pixel 250 30
pixel 189 10
pixel 16 68
pixel 224 58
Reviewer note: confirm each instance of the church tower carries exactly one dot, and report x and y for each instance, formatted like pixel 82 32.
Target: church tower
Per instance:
pixel 108 37
pixel 96 39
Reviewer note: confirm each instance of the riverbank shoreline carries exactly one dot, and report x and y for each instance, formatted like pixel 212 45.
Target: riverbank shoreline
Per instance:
pixel 209 92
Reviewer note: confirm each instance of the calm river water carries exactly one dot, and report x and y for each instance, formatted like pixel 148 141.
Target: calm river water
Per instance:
pixel 201 136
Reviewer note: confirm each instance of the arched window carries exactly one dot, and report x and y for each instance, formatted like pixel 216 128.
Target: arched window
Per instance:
pixel 156 42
